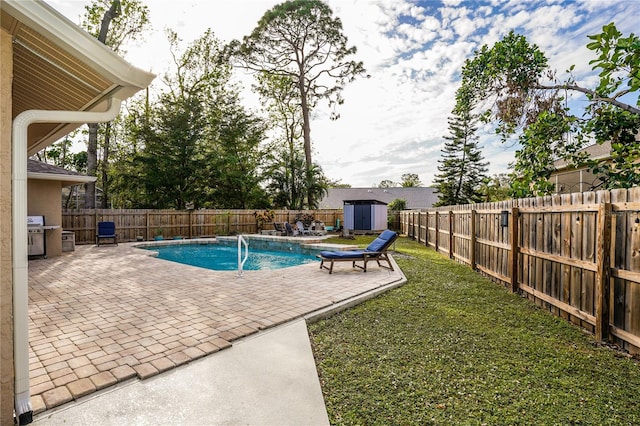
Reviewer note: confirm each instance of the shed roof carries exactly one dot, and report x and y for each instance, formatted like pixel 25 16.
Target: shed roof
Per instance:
pixel 416 197
pixel 364 202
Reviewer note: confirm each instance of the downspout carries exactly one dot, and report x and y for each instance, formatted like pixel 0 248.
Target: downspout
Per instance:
pixel 22 396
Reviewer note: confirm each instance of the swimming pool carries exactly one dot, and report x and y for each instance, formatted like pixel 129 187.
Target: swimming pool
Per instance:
pixel 223 255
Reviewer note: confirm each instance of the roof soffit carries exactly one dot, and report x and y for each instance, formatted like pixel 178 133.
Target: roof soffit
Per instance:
pixel 58 66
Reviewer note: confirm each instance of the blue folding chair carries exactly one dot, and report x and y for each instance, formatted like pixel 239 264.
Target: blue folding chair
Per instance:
pixel 106 231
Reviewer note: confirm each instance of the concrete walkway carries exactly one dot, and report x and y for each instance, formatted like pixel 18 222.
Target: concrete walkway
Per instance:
pixel 266 379
pixel 106 316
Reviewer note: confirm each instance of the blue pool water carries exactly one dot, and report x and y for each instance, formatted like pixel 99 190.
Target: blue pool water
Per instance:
pixel 225 258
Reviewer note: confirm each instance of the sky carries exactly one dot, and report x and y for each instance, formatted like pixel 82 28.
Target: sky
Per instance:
pixel 394 122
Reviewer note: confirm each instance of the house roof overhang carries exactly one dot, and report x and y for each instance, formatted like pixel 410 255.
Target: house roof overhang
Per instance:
pixel 37 170
pixel 66 180
pixel 58 66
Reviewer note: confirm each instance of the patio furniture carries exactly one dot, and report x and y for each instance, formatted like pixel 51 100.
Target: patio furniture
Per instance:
pixel 290 230
pixel 317 228
pixel 301 229
pixel 280 229
pixel 106 231
pixel 377 251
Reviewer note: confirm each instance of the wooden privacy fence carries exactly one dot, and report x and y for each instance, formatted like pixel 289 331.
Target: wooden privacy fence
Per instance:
pixel 577 255
pixel 132 225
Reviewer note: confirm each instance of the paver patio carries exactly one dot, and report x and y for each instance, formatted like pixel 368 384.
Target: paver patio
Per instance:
pixel 102 315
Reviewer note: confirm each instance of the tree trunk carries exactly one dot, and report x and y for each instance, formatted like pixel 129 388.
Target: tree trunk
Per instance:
pixel 291 176
pixel 306 133
pixel 92 167
pixel 105 164
pixel 67 201
pixel 92 147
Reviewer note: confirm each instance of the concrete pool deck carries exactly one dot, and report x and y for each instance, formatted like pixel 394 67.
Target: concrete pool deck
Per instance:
pixel 102 316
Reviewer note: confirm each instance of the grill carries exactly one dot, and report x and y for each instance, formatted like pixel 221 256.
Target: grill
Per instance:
pixel 35 236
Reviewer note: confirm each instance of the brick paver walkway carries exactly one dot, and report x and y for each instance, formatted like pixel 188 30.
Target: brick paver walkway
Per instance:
pixel 101 315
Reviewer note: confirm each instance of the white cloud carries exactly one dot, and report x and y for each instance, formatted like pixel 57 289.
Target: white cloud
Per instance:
pixel 393 122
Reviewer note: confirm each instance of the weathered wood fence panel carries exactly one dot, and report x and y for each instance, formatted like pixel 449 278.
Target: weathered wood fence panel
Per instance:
pixel 576 255
pixel 132 225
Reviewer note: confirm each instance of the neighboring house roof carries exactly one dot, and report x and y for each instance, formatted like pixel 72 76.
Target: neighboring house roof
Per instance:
pixel 59 66
pixel 595 152
pixel 416 197
pixel 43 171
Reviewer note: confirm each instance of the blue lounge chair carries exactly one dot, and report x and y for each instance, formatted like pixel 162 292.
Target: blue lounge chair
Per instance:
pixel 106 231
pixel 377 251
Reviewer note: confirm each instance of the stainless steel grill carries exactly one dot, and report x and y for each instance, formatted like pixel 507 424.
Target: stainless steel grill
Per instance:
pixel 35 234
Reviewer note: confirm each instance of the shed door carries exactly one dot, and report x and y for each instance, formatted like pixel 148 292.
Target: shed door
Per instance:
pixel 362 217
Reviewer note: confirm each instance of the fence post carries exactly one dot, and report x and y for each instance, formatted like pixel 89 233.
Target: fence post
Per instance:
pixel 603 265
pixel 472 243
pixel 451 237
pixel 437 230
pixel 95 222
pixel 426 229
pixel 413 225
pixel 514 232
pixel 419 230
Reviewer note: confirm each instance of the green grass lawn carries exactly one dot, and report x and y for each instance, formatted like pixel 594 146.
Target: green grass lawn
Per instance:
pixel 451 347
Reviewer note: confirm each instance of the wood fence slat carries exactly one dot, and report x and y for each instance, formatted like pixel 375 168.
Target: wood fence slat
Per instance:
pixel 622 206
pixel 461 258
pixel 539 230
pixel 556 249
pixel 525 234
pixel 593 207
pixel 514 252
pixel 589 253
pixel 633 265
pixel 547 243
pixel 492 273
pixel 602 273
pixel 565 251
pixel 582 264
pixel 495 244
pixel 472 242
pixel 576 253
pixel 626 275
pixel 625 335
pixel 575 312
pixel 491 257
pixel 619 300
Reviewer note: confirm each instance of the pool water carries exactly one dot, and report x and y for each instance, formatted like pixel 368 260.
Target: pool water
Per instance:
pixel 225 258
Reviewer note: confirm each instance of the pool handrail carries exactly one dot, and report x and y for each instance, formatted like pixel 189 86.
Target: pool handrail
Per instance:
pixel 241 261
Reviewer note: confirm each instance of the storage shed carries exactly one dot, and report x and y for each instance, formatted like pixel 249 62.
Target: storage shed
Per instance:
pixel 365 215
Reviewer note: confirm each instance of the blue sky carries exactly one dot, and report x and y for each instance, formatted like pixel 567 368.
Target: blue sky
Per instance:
pixel 394 122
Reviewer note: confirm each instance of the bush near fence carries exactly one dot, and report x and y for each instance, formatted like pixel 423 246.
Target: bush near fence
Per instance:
pixel 577 255
pixel 132 225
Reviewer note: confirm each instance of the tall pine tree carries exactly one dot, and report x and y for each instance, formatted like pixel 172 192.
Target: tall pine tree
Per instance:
pixel 461 169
